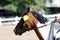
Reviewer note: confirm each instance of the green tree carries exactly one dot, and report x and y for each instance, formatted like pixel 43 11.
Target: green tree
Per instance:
pixel 20 5
pixel 17 6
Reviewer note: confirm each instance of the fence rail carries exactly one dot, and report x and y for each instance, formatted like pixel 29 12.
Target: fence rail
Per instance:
pixel 9 21
pixel 16 19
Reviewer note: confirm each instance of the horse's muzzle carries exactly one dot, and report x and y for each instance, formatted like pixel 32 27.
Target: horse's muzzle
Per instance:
pixel 15 32
pixel 18 31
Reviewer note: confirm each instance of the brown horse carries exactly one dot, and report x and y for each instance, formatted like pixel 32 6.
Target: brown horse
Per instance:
pixel 27 25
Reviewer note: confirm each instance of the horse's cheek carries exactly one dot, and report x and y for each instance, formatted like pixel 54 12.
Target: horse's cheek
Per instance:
pixel 24 27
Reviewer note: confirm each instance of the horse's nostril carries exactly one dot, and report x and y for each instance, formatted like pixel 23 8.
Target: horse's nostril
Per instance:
pixel 15 32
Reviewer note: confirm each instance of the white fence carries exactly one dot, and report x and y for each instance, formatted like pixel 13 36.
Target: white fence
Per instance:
pixel 9 21
pixel 16 19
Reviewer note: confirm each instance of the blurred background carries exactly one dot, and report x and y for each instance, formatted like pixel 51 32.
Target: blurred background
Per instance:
pixel 11 11
pixel 17 7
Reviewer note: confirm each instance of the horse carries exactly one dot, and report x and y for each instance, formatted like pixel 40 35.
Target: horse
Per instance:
pixel 28 22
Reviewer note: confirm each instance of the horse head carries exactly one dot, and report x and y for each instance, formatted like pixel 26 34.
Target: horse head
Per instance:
pixel 27 25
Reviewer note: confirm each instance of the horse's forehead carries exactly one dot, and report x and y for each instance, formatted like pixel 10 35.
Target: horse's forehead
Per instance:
pixel 30 14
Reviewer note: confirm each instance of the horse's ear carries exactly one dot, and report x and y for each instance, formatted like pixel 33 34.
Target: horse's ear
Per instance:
pixel 27 10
